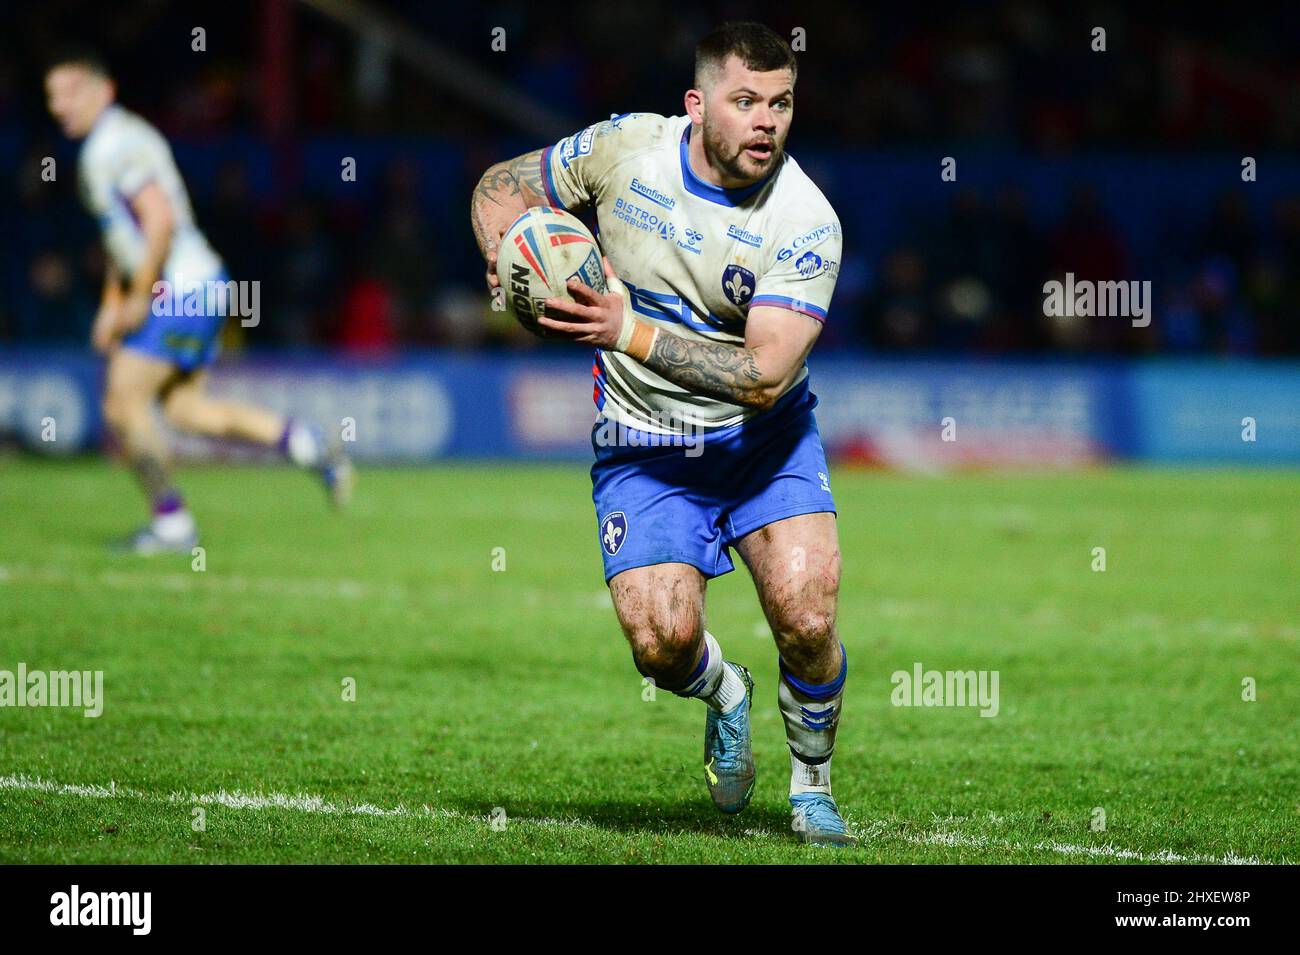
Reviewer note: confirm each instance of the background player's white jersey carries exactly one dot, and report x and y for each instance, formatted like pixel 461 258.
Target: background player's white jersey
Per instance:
pixel 694 257
pixel 120 156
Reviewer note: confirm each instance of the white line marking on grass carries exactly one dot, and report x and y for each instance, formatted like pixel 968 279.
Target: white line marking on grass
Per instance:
pixel 960 840
pixel 302 802
pixel 307 587
pixel 318 805
pixel 122 580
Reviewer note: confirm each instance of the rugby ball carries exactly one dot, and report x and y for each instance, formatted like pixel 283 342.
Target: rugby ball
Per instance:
pixel 539 253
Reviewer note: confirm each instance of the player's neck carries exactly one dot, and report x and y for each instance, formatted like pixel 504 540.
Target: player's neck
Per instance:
pixel 109 108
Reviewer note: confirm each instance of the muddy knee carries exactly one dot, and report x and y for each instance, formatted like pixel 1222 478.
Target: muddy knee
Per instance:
pixel 805 637
pixel 667 650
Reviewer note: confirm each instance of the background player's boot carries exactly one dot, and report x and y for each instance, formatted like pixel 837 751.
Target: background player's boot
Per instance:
pixel 174 533
pixel 728 754
pixel 338 474
pixel 816 820
pixel 304 444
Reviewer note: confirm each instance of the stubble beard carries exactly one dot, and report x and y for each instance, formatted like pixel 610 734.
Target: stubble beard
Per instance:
pixel 733 162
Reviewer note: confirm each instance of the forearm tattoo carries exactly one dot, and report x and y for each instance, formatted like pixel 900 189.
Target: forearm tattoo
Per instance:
pixel 728 372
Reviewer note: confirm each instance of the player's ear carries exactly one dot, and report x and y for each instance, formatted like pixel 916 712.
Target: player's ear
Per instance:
pixel 695 106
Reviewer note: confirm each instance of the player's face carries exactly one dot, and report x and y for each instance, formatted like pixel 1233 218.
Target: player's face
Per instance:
pixel 746 120
pixel 76 97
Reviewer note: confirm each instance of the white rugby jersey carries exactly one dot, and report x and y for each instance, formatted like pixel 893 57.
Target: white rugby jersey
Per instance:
pixel 695 257
pixel 119 157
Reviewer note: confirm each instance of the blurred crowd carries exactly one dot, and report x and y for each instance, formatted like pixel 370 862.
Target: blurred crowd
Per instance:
pixel 393 264
pixel 972 278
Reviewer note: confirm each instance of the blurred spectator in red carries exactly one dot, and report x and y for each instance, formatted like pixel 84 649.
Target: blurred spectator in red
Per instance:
pixel 366 321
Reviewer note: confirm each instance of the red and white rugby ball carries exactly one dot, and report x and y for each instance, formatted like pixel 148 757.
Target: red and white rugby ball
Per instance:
pixel 539 253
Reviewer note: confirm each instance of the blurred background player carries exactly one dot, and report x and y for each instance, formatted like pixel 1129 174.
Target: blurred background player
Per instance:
pixel 728 256
pixel 159 347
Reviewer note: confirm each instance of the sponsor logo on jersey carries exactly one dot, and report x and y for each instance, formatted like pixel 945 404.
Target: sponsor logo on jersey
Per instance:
pixel 653 194
pixel 809 264
pixel 811 237
pixel 671 307
pixel 579 144
pixel 644 219
pixel 738 285
pixel 613 532
pixel 740 235
pixel 694 240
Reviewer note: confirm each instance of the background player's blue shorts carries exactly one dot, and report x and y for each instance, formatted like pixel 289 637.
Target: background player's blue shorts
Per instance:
pixel 657 504
pixel 187 341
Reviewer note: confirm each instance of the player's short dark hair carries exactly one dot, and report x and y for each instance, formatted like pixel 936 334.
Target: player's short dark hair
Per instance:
pixel 759 47
pixel 86 57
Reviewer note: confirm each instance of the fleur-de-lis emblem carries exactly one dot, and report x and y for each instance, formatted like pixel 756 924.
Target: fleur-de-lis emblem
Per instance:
pixel 738 283
pixel 614 532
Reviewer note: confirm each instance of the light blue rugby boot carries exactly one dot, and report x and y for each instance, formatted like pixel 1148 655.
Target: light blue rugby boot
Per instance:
pixel 728 754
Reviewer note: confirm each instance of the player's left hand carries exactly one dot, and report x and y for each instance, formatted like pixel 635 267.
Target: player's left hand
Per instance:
pixel 591 318
pixel 103 334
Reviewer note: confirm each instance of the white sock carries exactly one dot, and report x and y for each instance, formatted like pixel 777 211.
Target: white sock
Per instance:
pixel 808 778
pixel 178 525
pixel 304 445
pixel 812 716
pixel 729 694
pixel 719 686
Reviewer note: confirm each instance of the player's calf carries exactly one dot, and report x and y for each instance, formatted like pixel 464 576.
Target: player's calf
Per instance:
pixel 189 407
pixel 806 638
pixel 171 528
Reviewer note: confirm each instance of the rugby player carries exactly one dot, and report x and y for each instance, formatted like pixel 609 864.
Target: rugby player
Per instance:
pixel 159 346
pixel 721 257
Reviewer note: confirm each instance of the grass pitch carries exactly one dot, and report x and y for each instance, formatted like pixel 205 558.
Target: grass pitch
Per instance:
pixel 498 717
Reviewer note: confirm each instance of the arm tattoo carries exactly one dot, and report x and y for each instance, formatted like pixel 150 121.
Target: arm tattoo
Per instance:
pixel 728 372
pixel 512 178
pixel 527 172
pixel 506 185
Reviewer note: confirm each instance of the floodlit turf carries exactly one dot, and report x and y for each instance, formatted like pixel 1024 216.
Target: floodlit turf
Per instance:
pixel 478 689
